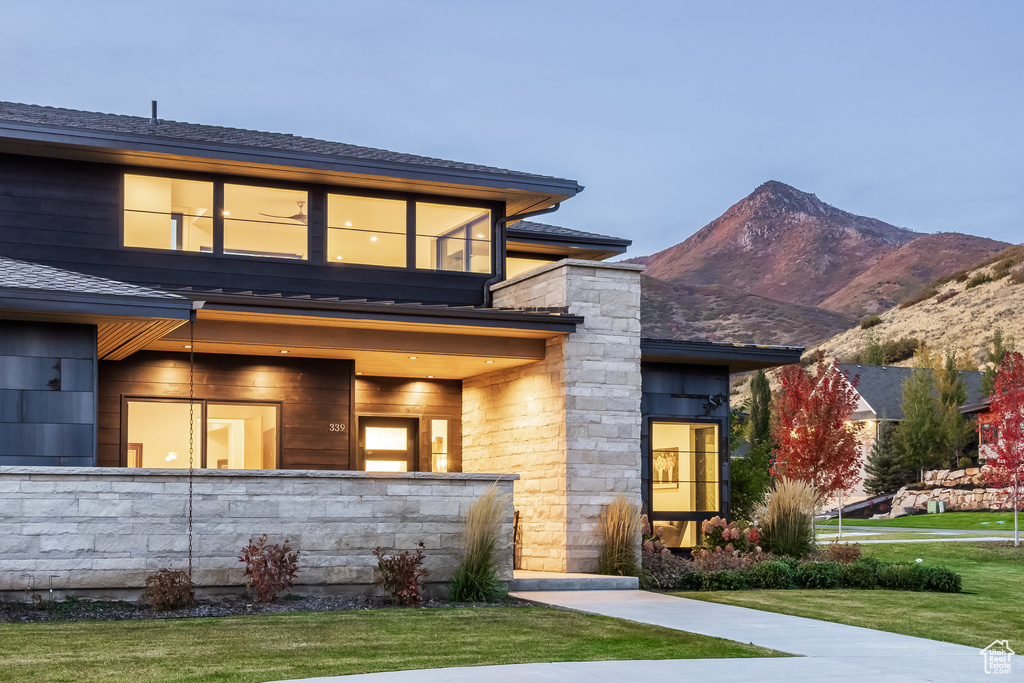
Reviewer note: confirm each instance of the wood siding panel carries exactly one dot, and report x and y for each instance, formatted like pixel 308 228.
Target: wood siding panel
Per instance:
pixel 425 399
pixel 313 393
pixel 68 214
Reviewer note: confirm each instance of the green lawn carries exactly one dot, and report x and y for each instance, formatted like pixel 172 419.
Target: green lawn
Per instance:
pixel 989 607
pixel 897 535
pixel 973 521
pixel 300 645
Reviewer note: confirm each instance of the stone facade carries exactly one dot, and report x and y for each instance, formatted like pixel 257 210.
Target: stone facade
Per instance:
pixel 960 490
pixel 568 425
pixel 106 529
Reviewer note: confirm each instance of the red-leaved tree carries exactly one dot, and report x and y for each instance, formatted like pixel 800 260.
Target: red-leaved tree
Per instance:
pixel 814 440
pixel 1008 421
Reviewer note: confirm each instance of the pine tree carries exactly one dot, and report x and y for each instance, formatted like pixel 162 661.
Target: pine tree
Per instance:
pixel 760 409
pixel 885 471
pixel 956 430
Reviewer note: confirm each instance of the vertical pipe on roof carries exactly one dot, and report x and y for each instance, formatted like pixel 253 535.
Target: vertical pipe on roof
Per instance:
pixel 499 266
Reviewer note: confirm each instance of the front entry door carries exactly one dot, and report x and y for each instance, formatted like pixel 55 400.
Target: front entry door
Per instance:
pixel 388 444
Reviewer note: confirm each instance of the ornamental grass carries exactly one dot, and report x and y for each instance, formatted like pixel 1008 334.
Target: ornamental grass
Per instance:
pixel 620 525
pixel 786 521
pixel 476 579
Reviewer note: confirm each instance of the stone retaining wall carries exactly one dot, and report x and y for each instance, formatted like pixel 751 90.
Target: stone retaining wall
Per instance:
pixel 960 490
pixel 107 528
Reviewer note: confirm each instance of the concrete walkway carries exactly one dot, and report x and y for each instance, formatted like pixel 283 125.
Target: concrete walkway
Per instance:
pixel 831 652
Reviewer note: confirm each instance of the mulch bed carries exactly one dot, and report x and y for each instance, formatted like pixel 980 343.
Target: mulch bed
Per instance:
pixel 99 610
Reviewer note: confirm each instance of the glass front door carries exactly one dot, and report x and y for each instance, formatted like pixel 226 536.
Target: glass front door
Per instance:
pixel 388 444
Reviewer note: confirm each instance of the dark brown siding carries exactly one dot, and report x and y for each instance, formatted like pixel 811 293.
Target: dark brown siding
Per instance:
pixel 68 214
pixel 425 399
pixel 313 394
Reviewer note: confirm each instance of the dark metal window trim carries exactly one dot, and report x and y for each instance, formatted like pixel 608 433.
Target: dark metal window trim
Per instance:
pixel 681 516
pixel 204 416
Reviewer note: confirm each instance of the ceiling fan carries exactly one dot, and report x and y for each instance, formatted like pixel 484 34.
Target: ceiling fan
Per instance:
pixel 301 216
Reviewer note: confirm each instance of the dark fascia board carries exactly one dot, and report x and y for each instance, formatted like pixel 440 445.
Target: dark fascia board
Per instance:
pixel 982 406
pixel 43 301
pixel 616 244
pixel 102 140
pixel 475 317
pixel 738 357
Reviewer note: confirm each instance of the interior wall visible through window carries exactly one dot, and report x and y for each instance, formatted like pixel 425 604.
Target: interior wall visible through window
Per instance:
pixel 265 222
pixel 164 213
pixel 454 238
pixel 366 230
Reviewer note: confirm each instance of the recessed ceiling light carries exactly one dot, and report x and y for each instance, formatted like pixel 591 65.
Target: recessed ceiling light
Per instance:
pixel 359 373
pixel 227 213
pixel 479 237
pixel 188 346
pixel 430 377
pixel 338 258
pixel 284 350
pixel 413 357
pixel 488 361
pixel 348 224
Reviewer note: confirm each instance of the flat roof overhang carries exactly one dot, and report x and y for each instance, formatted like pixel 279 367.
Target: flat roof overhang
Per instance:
pixel 591 249
pixel 521 193
pixel 123 324
pixel 737 357
pixel 391 340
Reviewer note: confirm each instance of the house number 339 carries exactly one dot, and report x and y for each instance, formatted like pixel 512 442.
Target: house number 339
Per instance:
pixel 336 427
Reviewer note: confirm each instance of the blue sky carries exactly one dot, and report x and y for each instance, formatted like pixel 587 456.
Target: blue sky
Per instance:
pixel 668 112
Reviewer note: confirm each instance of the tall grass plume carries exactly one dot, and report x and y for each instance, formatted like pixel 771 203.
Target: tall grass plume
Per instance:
pixel 786 521
pixel 620 530
pixel 476 579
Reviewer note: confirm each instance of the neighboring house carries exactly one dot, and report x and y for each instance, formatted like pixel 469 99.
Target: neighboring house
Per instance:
pixel 981 409
pixel 879 396
pixel 348 344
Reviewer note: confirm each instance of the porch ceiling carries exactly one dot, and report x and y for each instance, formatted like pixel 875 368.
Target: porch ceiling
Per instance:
pixel 379 348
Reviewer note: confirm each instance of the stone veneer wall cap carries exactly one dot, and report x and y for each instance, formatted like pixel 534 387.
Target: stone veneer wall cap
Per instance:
pixel 616 265
pixel 256 474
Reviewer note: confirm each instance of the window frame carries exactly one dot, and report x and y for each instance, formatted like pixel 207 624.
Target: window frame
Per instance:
pixel 697 516
pixel 204 421
pixel 317 225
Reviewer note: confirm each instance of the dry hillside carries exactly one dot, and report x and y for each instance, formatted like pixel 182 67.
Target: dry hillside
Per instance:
pixel 963 321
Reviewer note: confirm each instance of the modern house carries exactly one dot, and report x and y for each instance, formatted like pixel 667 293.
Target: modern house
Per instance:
pixel 347 345
pixel 879 399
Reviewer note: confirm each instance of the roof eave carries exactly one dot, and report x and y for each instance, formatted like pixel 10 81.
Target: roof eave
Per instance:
pixel 737 357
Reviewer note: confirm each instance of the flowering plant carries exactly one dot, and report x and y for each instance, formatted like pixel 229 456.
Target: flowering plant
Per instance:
pixel 716 533
pixel 652 542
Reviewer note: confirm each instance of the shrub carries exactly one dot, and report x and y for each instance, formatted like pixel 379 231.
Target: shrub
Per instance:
pixel 401 575
pixel 893 351
pixel 960 276
pixel 816 574
pixel 620 530
pixel 858 575
pixel 979 279
pixel 869 322
pixel 843 553
pixel 476 578
pixel 716 533
pixel 903 576
pixel 772 574
pixel 727 580
pixel 786 520
pixel 665 571
pixel 269 568
pixel 168 589
pixel 946 296
pixel 718 560
pixel 1017 278
pixel 942 580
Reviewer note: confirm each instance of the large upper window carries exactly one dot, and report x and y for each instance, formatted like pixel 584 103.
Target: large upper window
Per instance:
pixel 263 221
pixel 366 230
pixel 162 213
pixel 453 238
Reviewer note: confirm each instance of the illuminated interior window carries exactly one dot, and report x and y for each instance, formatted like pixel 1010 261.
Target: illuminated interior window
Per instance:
pixel 677 534
pixel 366 230
pixel 439 445
pixel 386 438
pixel 265 222
pixel 158 434
pixel 453 238
pixel 517 266
pixel 684 467
pixel 163 213
pixel 387 466
pixel 241 436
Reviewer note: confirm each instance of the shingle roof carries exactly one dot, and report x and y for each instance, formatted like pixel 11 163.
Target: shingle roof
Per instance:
pixel 882 387
pixel 139 125
pixel 24 275
pixel 543 229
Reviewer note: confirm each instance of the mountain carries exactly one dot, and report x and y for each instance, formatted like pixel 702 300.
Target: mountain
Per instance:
pixel 900 273
pixel 959 313
pixel 719 313
pixel 780 243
